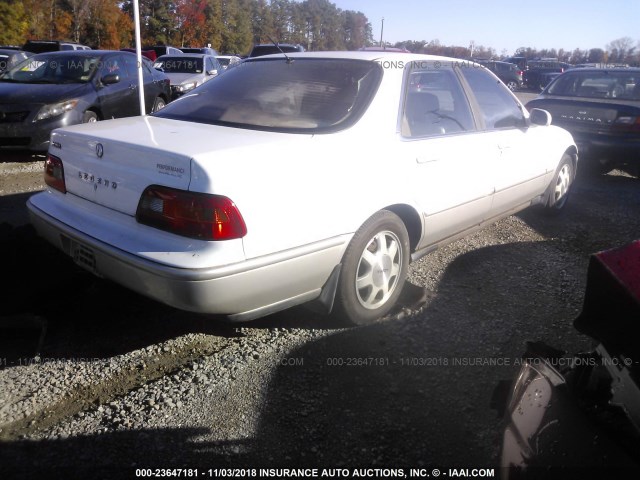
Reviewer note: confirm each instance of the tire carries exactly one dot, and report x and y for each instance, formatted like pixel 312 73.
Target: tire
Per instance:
pixel 512 85
pixel 89 117
pixel 158 104
pixel 374 269
pixel 560 186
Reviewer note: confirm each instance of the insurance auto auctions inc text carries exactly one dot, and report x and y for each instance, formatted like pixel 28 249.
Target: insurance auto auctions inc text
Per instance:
pixel 373 472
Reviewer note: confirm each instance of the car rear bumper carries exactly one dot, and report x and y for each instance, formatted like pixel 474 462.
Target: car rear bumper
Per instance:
pixel 242 291
pixel 608 147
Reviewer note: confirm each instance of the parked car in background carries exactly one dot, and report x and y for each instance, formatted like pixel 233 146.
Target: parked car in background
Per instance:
pixel 10 57
pixel 509 73
pixel 42 46
pixel 58 89
pixel 540 72
pixel 601 109
pixel 219 202
pixel 164 50
pixel 149 54
pixel 272 48
pixel 227 61
pixel 520 61
pixel 203 50
pixel 187 71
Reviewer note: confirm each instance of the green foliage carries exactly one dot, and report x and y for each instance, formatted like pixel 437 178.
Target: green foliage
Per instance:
pixel 14 22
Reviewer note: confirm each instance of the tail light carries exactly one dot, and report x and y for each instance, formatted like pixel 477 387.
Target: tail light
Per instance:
pixel 627 124
pixel 54 174
pixel 190 214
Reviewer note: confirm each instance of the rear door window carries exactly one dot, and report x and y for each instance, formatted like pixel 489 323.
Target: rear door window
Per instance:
pixel 435 103
pixel 498 106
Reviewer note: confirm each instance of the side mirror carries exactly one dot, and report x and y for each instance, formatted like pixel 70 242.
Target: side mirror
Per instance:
pixel 110 79
pixel 537 116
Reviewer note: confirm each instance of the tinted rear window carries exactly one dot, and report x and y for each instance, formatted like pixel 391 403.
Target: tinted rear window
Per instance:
pixel 598 84
pixel 305 96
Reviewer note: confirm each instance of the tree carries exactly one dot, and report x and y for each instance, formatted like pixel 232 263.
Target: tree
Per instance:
pixel 191 25
pixel 357 30
pixel 262 22
pixel 236 35
pixel 79 10
pixel 15 22
pixel 213 23
pixel 107 26
pixel 597 55
pixel 621 50
pixel 157 18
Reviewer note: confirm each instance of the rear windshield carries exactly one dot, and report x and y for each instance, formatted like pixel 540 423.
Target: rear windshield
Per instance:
pixel 598 84
pixel 303 96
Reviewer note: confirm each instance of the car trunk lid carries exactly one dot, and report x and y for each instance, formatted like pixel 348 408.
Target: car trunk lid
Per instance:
pixel 589 116
pixel 111 163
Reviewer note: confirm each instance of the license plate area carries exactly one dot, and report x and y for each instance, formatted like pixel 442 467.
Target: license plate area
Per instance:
pixel 82 255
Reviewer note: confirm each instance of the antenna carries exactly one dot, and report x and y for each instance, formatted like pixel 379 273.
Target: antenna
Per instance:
pixel 289 59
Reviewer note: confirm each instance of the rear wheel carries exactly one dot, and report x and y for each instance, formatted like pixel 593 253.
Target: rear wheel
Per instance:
pixel 159 104
pixel 512 85
pixel 374 269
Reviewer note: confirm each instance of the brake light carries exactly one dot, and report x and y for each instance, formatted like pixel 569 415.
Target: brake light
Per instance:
pixel 54 174
pixel 190 214
pixel 627 124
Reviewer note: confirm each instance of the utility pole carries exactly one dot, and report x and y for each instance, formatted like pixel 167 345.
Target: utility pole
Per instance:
pixel 381 31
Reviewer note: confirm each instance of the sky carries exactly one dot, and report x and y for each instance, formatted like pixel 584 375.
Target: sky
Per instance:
pixel 502 24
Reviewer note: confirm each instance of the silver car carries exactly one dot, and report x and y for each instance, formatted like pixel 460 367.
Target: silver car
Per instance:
pixel 187 71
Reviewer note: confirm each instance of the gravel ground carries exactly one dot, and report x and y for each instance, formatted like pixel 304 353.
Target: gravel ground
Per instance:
pixel 98 381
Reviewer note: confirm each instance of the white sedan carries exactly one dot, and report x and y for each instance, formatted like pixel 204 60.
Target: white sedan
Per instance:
pixel 297 178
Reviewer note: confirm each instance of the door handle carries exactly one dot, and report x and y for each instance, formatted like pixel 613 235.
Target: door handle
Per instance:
pixel 504 147
pixel 427 159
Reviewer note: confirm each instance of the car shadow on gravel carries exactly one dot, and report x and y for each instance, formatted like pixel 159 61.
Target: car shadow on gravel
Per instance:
pixel 414 392
pixel 603 212
pixel 53 309
pixel 417 392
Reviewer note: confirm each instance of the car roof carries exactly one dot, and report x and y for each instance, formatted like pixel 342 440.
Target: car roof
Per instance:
pixel 606 69
pixel 186 55
pixel 362 55
pixel 8 51
pixel 84 53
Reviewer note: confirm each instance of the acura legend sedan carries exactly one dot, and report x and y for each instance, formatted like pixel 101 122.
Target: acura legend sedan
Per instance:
pixel 299 177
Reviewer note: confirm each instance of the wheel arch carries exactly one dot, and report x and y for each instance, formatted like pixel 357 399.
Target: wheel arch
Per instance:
pixel 573 152
pixel 411 220
pixel 95 110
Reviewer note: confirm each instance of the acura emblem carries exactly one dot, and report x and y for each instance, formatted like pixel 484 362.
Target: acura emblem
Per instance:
pixel 583 112
pixel 99 150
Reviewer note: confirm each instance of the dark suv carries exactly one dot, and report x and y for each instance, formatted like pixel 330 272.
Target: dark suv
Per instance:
pixel 539 73
pixel 271 48
pixel 42 46
pixel 509 73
